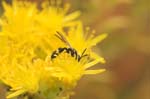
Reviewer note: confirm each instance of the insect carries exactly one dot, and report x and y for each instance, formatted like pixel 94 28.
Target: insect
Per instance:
pixel 68 50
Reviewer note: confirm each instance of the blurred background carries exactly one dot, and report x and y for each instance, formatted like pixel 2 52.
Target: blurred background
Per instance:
pixel 126 49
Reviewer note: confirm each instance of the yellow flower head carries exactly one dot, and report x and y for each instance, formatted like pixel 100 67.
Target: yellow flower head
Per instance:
pixel 20 71
pixel 54 17
pixel 29 34
pixel 81 39
pixel 68 65
pixel 17 21
pixel 23 22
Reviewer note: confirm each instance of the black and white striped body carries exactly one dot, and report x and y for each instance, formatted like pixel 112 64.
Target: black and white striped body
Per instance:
pixel 70 51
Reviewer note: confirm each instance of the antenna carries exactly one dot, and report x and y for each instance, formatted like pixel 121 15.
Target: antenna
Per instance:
pixel 62 38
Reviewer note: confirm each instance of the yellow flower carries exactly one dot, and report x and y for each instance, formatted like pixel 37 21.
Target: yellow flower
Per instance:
pixel 81 39
pixel 24 23
pixel 27 36
pixel 17 21
pixel 69 69
pixel 68 65
pixel 55 18
pixel 20 71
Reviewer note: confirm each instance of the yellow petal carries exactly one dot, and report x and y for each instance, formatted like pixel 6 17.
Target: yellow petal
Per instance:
pixel 98 39
pixel 72 16
pixel 97 60
pixel 97 57
pixel 14 94
pixel 94 71
pixel 91 64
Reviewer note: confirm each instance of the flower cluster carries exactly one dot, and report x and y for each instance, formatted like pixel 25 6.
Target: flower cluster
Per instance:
pixel 39 58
